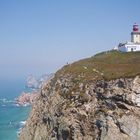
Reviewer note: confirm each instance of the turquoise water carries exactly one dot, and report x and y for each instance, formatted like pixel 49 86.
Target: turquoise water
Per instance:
pixel 12 116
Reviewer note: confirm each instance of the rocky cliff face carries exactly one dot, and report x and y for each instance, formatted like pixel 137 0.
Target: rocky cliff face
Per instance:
pixel 71 110
pixel 83 102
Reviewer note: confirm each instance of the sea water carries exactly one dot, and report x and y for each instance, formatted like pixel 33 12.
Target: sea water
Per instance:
pixel 12 116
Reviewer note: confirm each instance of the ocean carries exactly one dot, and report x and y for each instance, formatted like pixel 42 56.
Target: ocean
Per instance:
pixel 12 116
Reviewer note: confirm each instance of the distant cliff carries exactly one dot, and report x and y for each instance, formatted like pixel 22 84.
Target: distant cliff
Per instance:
pixel 34 83
pixel 93 99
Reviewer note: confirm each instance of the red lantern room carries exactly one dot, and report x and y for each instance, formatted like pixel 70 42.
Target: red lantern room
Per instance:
pixel 135 28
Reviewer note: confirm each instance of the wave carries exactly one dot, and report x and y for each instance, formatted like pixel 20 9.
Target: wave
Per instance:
pixel 4 100
pixel 5 103
pixel 13 125
pixel 21 124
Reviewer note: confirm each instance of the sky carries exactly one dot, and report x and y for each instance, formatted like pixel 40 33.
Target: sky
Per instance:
pixel 40 36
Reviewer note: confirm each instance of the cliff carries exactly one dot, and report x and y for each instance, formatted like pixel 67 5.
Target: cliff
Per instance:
pixel 93 99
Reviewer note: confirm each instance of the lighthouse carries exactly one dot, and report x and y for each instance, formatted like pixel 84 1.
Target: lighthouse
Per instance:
pixel 134 45
pixel 135 34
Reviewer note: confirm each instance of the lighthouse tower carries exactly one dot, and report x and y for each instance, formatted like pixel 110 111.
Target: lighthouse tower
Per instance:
pixel 135 35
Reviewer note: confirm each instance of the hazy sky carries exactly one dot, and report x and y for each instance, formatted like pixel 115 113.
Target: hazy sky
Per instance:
pixel 40 36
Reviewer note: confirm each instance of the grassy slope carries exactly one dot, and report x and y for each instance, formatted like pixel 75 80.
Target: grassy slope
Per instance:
pixel 107 65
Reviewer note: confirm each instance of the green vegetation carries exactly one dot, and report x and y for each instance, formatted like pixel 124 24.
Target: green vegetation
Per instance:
pixel 107 65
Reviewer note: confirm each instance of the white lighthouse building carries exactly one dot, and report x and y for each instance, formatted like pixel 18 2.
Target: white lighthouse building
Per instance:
pixel 134 45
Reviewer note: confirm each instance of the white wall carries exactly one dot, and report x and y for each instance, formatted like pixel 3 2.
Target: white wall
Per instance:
pixel 135 38
pixel 132 48
pixel 129 48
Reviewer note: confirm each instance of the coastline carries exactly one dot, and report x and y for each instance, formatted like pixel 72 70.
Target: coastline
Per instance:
pixel 26 98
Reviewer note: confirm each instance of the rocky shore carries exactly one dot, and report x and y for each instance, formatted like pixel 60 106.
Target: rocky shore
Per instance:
pixel 34 84
pixel 27 98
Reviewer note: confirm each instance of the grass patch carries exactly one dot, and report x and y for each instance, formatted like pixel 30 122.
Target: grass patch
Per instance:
pixel 107 65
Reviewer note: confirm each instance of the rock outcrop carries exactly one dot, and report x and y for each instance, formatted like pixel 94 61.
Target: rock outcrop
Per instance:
pixel 101 110
pixel 27 98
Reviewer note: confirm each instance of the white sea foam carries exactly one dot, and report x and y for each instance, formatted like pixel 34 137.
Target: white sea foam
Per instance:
pixel 21 124
pixel 4 100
